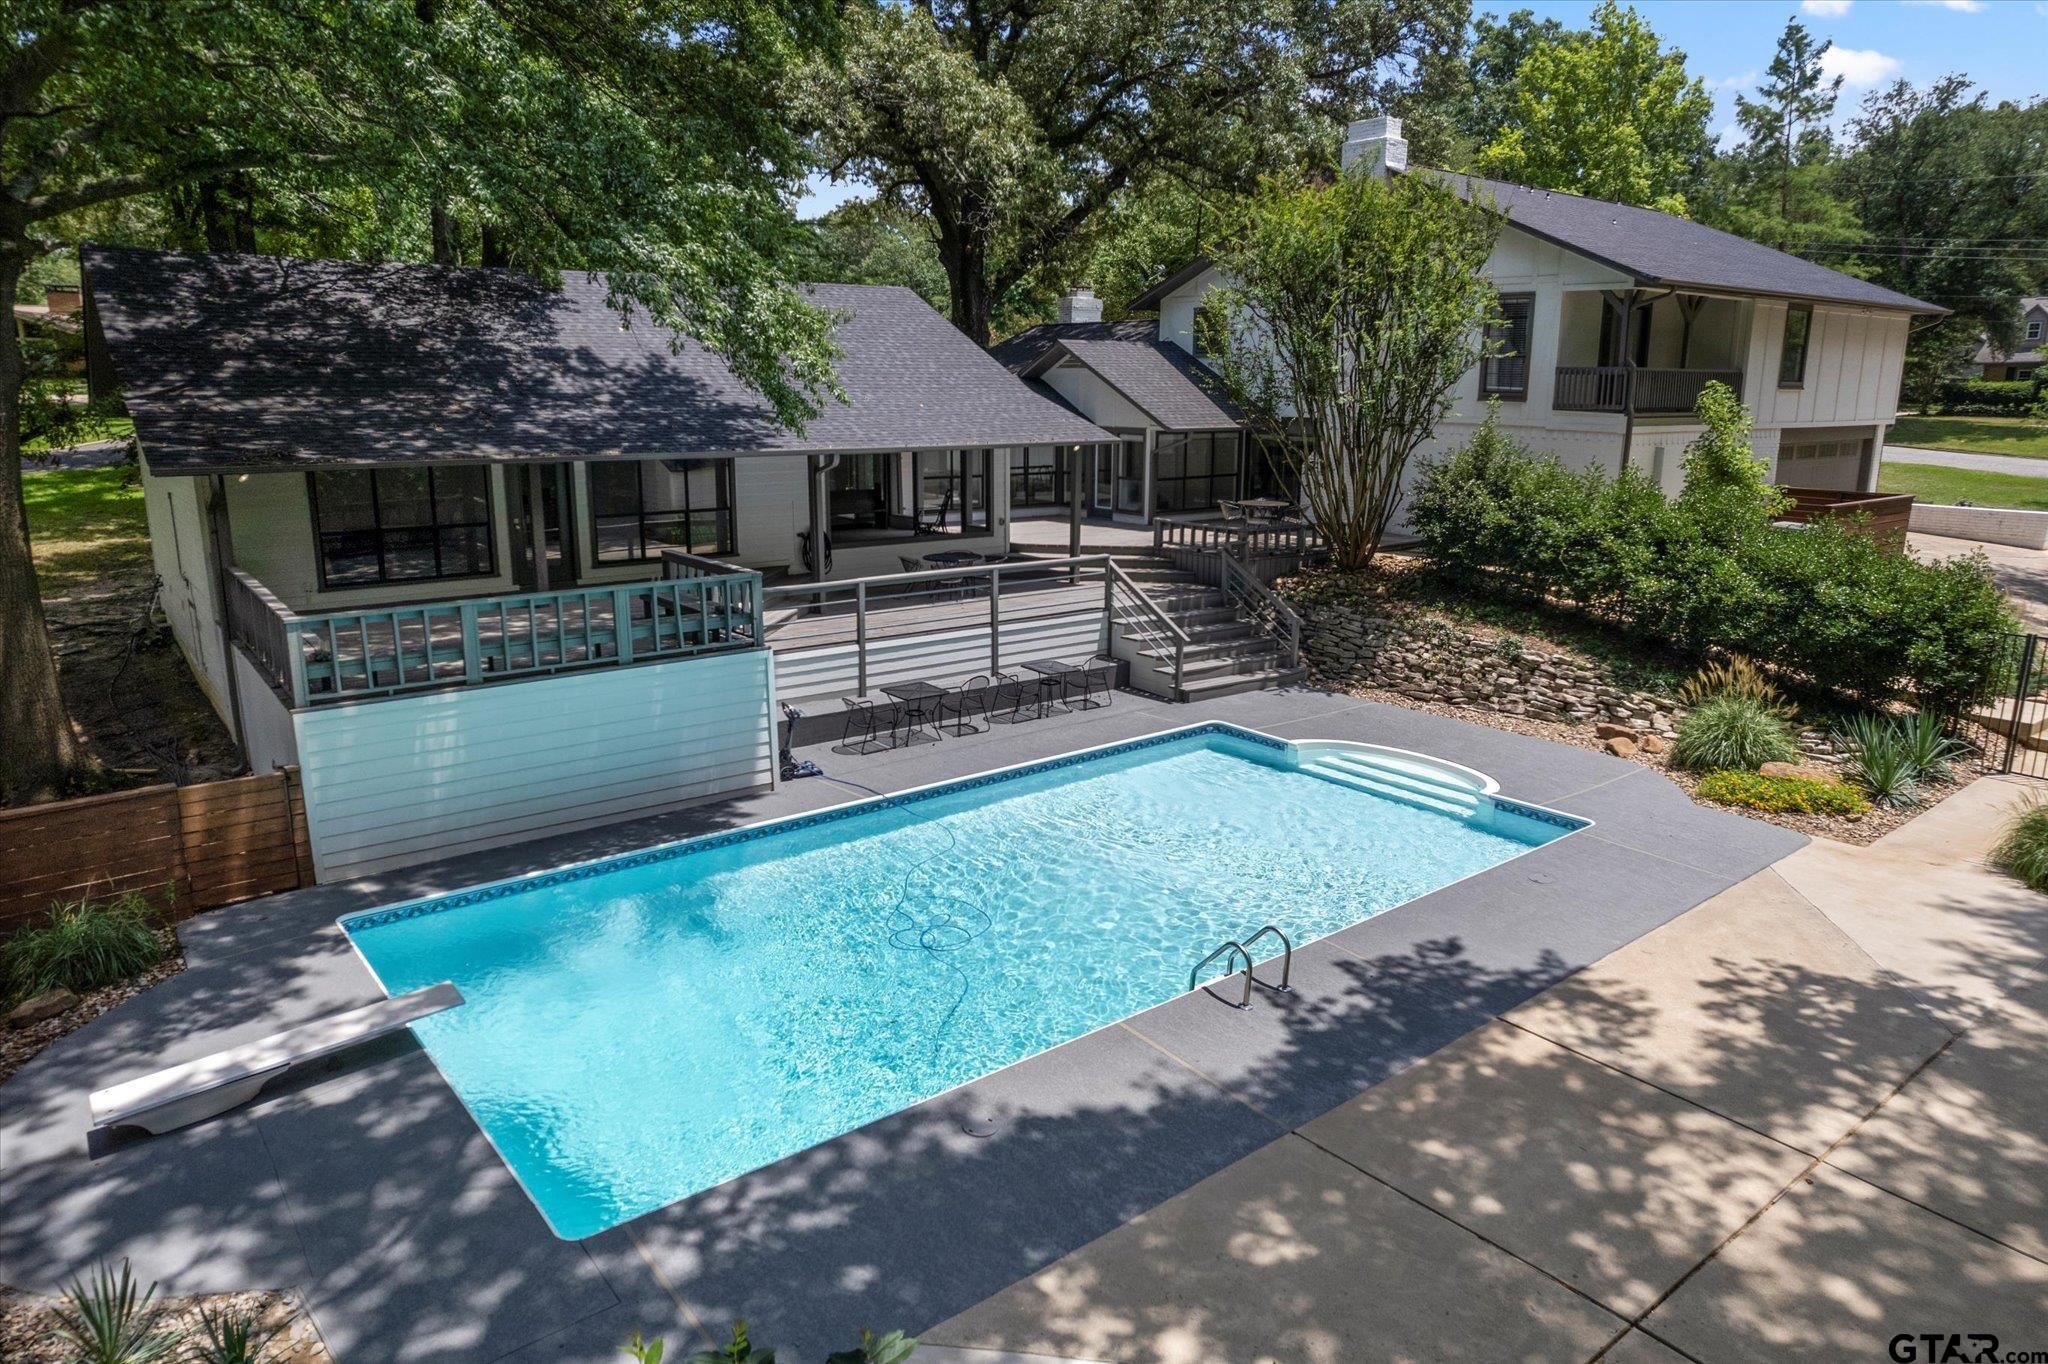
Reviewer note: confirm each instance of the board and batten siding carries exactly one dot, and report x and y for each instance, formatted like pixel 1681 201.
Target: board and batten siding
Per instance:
pixel 403 780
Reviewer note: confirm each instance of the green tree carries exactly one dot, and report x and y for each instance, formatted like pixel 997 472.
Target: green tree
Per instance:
pixel 630 137
pixel 1782 180
pixel 872 243
pixel 1499 48
pixel 1015 125
pixel 1354 308
pixel 1610 114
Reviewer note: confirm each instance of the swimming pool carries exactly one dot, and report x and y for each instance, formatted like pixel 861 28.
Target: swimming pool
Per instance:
pixel 644 1027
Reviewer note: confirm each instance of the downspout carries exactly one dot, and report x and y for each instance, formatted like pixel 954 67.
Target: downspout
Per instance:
pixel 223 555
pixel 820 466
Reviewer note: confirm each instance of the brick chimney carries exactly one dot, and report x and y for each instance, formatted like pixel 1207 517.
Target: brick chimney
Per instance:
pixel 1081 305
pixel 62 299
pixel 1375 145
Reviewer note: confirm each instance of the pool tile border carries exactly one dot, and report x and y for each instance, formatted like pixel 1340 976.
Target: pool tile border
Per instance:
pixel 463 899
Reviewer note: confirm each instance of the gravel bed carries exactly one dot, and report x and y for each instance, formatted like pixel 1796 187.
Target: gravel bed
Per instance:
pixel 18 1045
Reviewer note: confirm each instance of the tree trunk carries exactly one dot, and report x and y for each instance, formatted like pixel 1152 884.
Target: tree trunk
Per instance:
pixel 37 750
pixel 965 256
pixel 441 226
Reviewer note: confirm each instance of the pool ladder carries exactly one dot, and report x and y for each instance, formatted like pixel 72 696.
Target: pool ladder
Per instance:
pixel 1231 950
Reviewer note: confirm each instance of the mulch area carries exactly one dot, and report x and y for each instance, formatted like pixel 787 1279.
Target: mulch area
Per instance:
pixel 28 1324
pixel 1865 828
pixel 19 1045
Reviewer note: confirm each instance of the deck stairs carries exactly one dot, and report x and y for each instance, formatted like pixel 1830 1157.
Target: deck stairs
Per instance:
pixel 1228 649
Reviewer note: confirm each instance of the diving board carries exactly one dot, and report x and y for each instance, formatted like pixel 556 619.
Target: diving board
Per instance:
pixel 181 1095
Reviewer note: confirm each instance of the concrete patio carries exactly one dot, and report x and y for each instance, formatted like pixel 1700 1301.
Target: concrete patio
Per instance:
pixel 1194 1183
pixel 1755 1133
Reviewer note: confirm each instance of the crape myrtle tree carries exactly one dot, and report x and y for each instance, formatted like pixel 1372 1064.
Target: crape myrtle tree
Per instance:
pixel 1014 124
pixel 1351 310
pixel 632 137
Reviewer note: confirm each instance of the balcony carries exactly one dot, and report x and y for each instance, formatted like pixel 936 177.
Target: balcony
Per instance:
pixel 698 606
pixel 1655 392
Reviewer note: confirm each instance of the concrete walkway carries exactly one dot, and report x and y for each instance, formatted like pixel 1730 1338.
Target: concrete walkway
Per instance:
pixel 1967 459
pixel 2023 573
pixel 1807 1116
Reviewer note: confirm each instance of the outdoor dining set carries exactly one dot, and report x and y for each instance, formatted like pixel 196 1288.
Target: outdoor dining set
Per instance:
pixel 918 708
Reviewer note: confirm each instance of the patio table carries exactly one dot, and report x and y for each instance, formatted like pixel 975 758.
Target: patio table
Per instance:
pixel 1265 508
pixel 1052 672
pixel 920 702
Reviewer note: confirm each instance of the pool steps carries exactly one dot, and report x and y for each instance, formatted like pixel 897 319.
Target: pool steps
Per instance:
pixel 1393 775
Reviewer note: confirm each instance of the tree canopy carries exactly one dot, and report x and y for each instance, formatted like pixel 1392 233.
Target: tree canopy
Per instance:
pixel 1609 113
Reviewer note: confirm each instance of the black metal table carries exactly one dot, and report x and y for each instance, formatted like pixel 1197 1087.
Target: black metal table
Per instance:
pixel 1265 508
pixel 1052 673
pixel 918 702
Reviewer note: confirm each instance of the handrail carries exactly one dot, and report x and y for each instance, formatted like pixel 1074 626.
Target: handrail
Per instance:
pixel 1178 637
pixel 1285 986
pixel 1230 946
pixel 1239 582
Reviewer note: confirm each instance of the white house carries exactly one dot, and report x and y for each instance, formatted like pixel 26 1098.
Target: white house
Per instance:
pixel 1616 317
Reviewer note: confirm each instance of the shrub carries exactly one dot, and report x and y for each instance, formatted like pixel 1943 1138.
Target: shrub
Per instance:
pixel 1732 732
pixel 1987 397
pixel 84 945
pixel 108 1320
pixel 1710 570
pixel 2023 852
pixel 1783 795
pixel 1737 677
pixel 1878 758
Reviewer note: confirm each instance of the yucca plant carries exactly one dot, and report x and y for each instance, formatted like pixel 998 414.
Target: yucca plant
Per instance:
pixel 83 945
pixel 1732 733
pixel 2023 852
pixel 1930 747
pixel 1737 677
pixel 110 1320
pixel 1878 757
pixel 235 1336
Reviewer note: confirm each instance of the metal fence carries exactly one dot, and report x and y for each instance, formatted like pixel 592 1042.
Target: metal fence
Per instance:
pixel 2015 719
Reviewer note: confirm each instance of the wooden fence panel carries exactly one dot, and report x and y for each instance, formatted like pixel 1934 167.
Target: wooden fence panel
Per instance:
pixel 197 846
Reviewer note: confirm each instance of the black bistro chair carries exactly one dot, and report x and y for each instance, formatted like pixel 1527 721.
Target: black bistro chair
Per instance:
pixel 862 715
pixel 970 698
pixel 1089 679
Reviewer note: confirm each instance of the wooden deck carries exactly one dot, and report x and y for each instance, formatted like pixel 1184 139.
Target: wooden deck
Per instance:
pixel 1881 516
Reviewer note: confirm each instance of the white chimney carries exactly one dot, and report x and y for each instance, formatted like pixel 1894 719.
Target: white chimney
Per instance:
pixel 1081 305
pixel 1375 144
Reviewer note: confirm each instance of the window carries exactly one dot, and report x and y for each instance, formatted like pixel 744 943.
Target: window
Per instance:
pixel 401 525
pixel 2034 329
pixel 1191 472
pixel 1792 360
pixel 952 490
pixel 638 508
pixel 1505 374
pixel 1038 477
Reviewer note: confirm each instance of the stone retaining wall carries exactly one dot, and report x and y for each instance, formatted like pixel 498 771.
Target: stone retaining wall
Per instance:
pixel 1430 659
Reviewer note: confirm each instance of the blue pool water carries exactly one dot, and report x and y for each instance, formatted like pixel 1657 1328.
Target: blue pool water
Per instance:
pixel 645 1028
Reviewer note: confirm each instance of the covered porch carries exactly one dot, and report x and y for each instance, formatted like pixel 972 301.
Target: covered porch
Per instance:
pixel 1644 352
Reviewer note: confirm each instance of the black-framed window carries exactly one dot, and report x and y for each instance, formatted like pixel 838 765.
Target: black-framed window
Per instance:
pixel 373 526
pixel 638 508
pixel 952 489
pixel 1194 470
pixel 1038 477
pixel 1792 359
pixel 1505 372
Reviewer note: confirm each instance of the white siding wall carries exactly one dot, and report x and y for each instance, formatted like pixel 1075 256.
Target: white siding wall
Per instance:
pixel 181 545
pixel 1854 361
pixel 1089 394
pixel 410 779
pixel 269 738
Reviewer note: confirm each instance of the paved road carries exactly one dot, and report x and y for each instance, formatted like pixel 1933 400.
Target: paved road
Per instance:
pixel 2023 573
pixel 1964 459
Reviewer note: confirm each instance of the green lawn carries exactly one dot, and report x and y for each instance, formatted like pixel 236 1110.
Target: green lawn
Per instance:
pixel 84 524
pixel 2021 436
pixel 107 428
pixel 1933 483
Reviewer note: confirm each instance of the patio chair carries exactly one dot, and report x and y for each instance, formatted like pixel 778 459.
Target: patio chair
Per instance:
pixel 1093 676
pixel 1232 511
pixel 1004 687
pixel 938 521
pixel 861 715
pixel 970 698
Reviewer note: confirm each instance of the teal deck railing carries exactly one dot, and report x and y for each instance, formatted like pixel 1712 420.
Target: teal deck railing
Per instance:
pixel 699 606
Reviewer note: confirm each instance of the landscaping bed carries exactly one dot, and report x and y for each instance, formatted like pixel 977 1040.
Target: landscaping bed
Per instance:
pixel 27 1325
pixel 20 1044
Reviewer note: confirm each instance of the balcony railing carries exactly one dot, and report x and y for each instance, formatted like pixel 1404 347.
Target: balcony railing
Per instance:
pixel 701 607
pixel 1657 392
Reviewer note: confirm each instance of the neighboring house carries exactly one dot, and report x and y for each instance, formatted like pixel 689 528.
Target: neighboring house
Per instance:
pixel 373 489
pixel 1616 318
pixel 2022 363
pixel 55 319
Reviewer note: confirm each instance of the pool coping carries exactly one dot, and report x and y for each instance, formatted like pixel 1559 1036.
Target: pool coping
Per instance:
pixel 674 849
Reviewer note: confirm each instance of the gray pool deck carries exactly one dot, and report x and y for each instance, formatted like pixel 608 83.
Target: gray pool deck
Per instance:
pixel 366 1186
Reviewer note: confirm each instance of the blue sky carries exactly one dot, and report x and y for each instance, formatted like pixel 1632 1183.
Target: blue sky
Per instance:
pixel 1996 43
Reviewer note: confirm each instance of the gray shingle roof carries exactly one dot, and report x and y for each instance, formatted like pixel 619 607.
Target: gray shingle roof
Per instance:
pixel 243 362
pixel 1655 248
pixel 1165 381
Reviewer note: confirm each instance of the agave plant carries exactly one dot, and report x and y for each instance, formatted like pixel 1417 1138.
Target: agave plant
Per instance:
pixel 111 1320
pixel 1879 758
pixel 1931 749
pixel 235 1336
